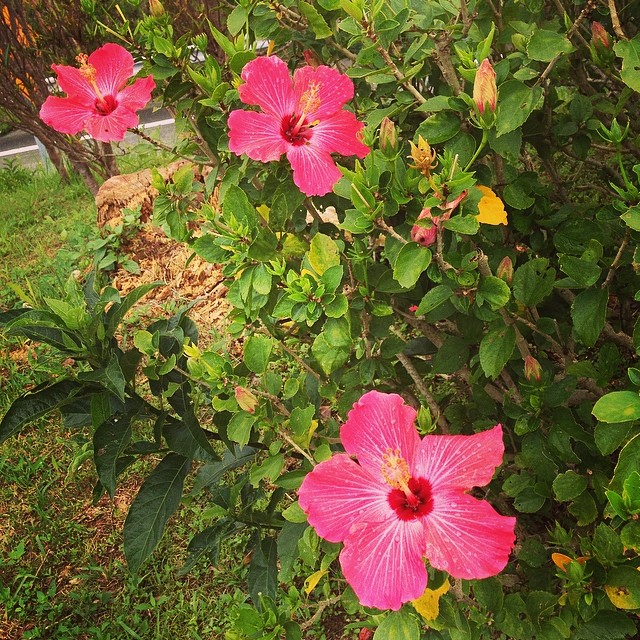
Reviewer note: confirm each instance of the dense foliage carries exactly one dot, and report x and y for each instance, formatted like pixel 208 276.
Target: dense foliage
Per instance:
pixel 532 324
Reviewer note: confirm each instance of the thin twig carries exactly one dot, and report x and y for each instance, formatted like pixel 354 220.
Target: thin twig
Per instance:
pixel 616 260
pixel 424 390
pixel 615 20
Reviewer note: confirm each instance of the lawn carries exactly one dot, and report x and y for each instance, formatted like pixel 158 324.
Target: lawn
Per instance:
pixel 62 572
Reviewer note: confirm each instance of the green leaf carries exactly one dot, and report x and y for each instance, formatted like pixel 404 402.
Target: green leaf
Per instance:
pixel 211 473
pixel 495 291
pixel 629 51
pixel 270 469
pixel 623 587
pixel 451 356
pixel 34 405
pixel 468 225
pixel 569 485
pixel 237 19
pixel 496 348
pixel 323 253
pixel 632 218
pixel 433 298
pixel 606 545
pixel 262 578
pixel 188 438
pixel 628 462
pixel 533 282
pixel 236 206
pixel 515 105
pixel 630 535
pixel 588 312
pixel 411 262
pixel 607 625
pixel 618 407
pixel 288 538
pixel 157 500
pixel 110 440
pixel 488 593
pixel 111 377
pixel 545 45
pixel 239 427
pixel 315 20
pixel 257 352
pixel 583 272
pixel 439 127
pixel 398 625
pixel 609 437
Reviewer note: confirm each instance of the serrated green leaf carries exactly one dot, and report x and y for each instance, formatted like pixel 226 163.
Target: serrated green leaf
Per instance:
pixel 262 578
pixel 588 312
pixel 496 348
pixel 398 625
pixel 257 352
pixel 411 262
pixel 569 485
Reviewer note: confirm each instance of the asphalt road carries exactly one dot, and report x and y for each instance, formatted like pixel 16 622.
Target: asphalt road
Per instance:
pixel 21 146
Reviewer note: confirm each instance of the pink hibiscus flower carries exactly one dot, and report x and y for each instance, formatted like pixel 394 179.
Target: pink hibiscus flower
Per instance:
pixel 98 101
pixel 303 118
pixel 404 499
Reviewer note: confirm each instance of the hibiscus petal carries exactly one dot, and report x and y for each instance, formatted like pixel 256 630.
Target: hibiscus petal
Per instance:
pixel 267 83
pixel 340 133
pixel 460 462
pixel 383 562
pixel 64 114
pixel 256 134
pixel 379 422
pixel 137 95
pixel 74 84
pixel 114 66
pixel 111 127
pixel 336 89
pixel 339 493
pixel 314 170
pixel 467 537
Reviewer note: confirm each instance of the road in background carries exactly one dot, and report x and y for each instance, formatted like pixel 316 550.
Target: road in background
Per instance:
pixel 21 146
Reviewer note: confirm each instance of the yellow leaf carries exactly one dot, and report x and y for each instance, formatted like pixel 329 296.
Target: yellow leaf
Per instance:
pixel 263 210
pixel 428 604
pixel 490 208
pixel 312 581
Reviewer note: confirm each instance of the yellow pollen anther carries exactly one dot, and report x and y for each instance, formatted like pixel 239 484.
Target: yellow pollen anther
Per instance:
pixel 89 72
pixel 309 102
pixel 395 470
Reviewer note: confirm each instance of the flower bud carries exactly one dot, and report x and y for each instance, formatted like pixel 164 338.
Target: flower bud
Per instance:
pixel 532 369
pixel 485 91
pixel 505 270
pixel 155 8
pixel 423 235
pixel 245 399
pixel 600 37
pixel 388 137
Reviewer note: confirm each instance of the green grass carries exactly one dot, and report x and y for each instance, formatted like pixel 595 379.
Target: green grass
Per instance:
pixel 44 226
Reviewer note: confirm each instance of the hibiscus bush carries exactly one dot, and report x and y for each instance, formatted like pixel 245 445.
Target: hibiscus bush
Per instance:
pixel 423 410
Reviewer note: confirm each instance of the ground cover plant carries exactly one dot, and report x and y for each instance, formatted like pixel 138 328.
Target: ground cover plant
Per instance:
pixel 427 215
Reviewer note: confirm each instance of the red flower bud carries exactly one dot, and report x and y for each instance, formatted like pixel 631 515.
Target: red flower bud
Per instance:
pixel 532 369
pixel 599 36
pixel 505 270
pixel 427 237
pixel 485 91
pixel 246 400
